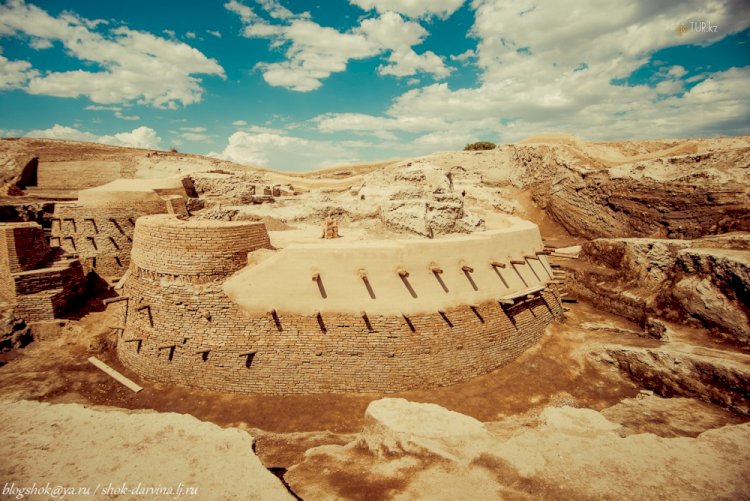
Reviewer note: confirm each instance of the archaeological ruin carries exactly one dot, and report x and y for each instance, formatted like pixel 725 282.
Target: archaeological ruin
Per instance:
pixel 328 317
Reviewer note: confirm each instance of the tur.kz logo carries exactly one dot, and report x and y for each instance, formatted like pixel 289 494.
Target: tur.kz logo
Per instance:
pixel 697 27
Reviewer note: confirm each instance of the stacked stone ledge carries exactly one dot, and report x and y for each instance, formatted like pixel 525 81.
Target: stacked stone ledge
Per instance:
pixel 181 328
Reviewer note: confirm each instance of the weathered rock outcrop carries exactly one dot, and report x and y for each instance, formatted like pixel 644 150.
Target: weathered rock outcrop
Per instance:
pixel 54 443
pixel 680 280
pixel 422 451
pixel 420 199
pixel 717 379
pixel 684 196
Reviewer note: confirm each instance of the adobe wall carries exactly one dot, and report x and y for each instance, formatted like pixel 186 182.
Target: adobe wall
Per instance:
pixel 78 174
pixel 356 276
pixel 180 326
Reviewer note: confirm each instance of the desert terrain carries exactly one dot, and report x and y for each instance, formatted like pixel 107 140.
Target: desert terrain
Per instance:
pixel 641 388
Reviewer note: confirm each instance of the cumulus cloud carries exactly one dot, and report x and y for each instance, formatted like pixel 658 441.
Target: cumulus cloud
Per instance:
pixel 15 74
pixel 58 131
pixel 546 66
pixel 412 8
pixel 313 52
pixel 284 152
pixel 141 137
pixel 136 66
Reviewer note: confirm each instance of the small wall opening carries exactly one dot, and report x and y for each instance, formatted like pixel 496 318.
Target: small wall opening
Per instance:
pixel 409 323
pixel 276 320
pixel 321 324
pixel 249 358
pixel 475 309
pixel 445 317
pixel 367 321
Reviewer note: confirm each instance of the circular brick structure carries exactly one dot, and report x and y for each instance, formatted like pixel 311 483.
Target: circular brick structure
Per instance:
pixel 181 327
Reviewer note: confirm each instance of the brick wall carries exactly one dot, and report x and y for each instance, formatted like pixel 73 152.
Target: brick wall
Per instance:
pixel 24 245
pixel 101 236
pixel 181 328
pixel 47 293
pixel 37 283
pixel 171 246
pixel 7 287
pixel 81 174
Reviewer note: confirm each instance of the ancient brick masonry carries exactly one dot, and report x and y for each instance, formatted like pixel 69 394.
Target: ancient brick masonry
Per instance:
pixel 180 327
pixel 34 279
pixel 101 236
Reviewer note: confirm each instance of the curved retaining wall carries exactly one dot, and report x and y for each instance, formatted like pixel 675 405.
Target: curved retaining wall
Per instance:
pixel 180 326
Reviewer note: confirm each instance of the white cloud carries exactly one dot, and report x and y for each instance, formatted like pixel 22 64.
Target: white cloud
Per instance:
pixel 215 33
pixel 190 35
pixel 195 134
pixel 11 133
pixel 408 62
pixel 239 123
pixel 284 152
pixel 58 131
pixel 313 52
pixel 136 66
pixel 15 74
pixel 117 110
pixel 40 43
pixel 141 137
pixel 412 8
pixel 550 67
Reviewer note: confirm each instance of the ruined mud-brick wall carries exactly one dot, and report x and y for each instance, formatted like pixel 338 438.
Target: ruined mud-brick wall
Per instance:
pixel 180 327
pixel 101 236
pixel 78 174
pixel 39 285
pixel 24 246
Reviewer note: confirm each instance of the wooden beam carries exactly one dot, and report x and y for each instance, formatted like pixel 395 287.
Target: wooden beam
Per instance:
pixel 114 374
pixel 497 264
pixel 402 272
pixel 115 299
pixel 467 268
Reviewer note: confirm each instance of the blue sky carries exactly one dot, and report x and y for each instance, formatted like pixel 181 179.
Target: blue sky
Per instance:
pixel 299 84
